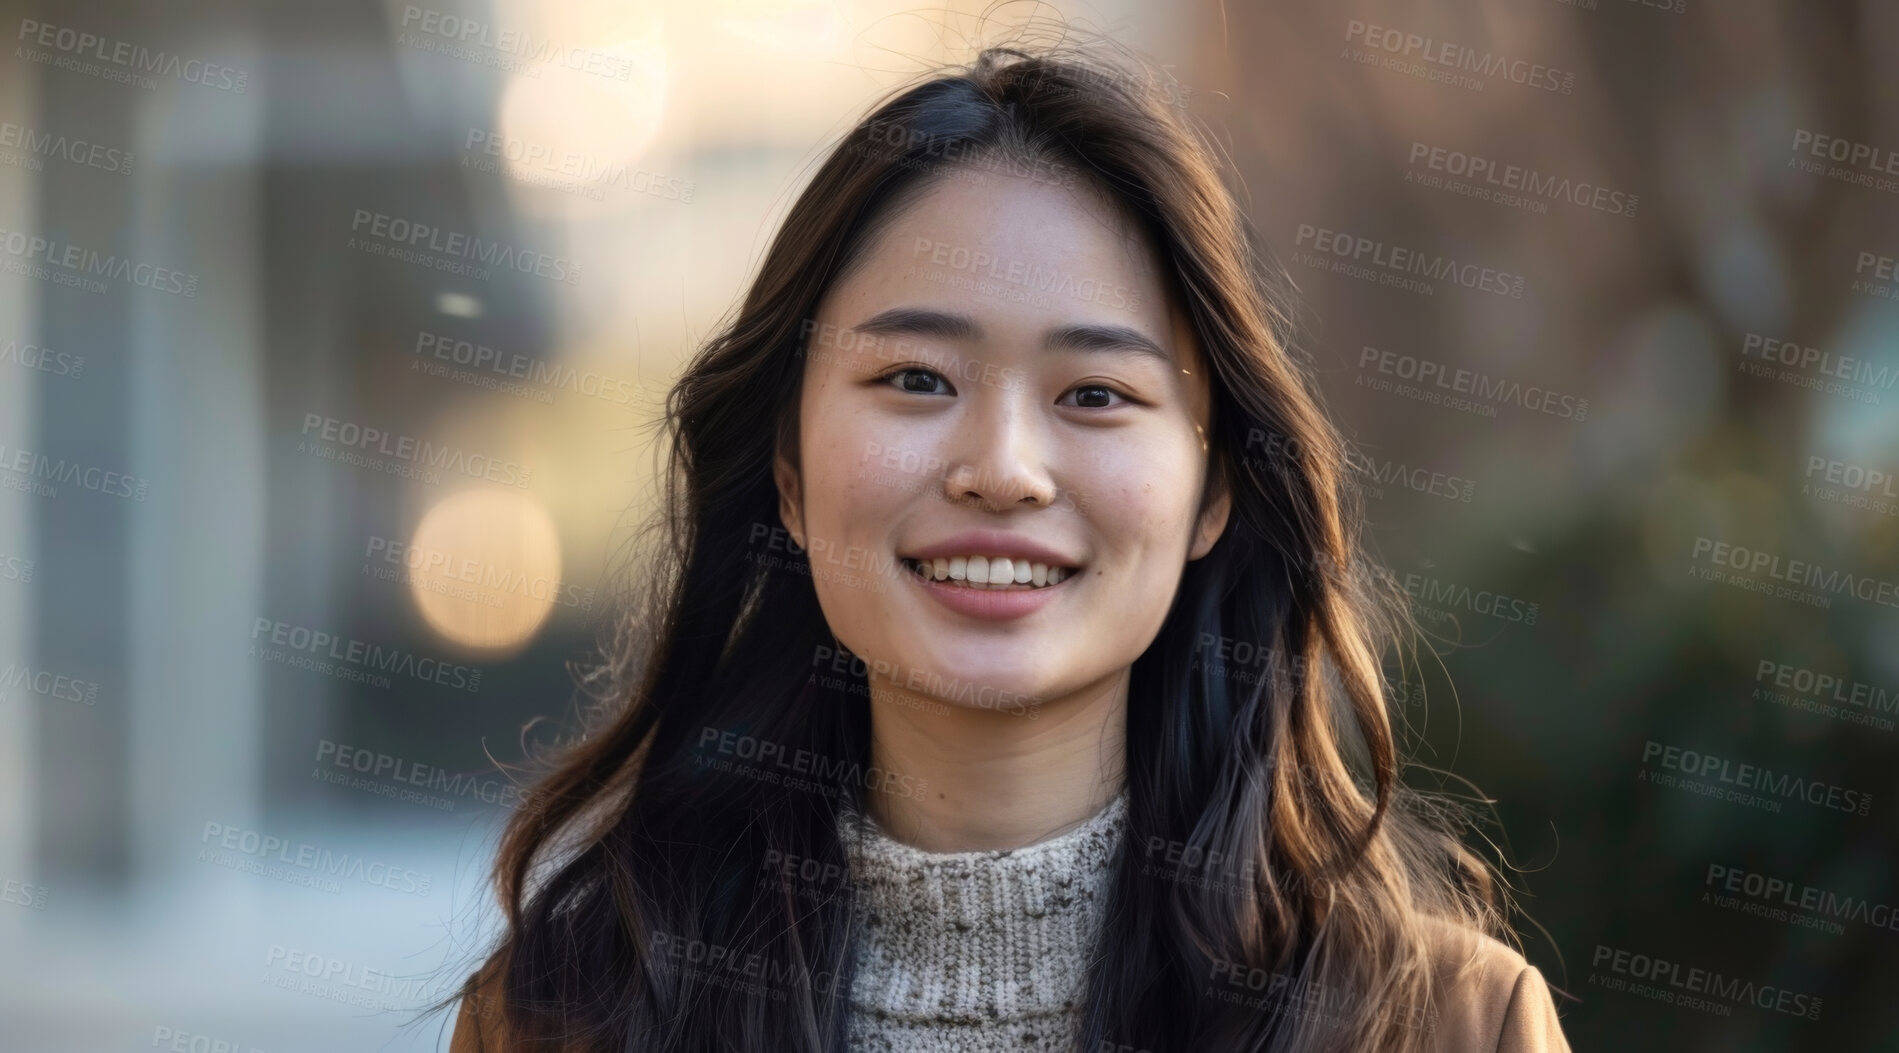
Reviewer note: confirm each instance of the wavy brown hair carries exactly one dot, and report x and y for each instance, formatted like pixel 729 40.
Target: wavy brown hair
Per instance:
pixel 1339 876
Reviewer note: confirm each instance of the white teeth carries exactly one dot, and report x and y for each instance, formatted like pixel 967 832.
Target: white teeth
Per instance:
pixel 983 572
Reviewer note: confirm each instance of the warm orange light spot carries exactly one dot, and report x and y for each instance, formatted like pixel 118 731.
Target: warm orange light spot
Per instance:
pixel 485 568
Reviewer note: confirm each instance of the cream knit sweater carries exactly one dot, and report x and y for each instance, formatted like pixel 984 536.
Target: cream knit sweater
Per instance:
pixel 971 952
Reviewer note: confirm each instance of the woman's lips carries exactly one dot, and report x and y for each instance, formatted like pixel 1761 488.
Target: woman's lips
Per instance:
pixel 998 602
pixel 989 572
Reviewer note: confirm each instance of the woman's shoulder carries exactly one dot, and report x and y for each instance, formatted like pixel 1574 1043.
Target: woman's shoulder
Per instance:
pixel 1489 996
pixel 478 1021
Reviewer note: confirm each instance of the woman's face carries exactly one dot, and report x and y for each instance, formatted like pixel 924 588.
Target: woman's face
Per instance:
pixel 1001 376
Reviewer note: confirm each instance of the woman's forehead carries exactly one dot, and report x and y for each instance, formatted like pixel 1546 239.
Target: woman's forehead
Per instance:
pixel 1022 219
pixel 1018 251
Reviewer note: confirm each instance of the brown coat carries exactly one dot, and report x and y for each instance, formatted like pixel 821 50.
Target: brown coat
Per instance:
pixel 1497 1003
pixel 1495 1000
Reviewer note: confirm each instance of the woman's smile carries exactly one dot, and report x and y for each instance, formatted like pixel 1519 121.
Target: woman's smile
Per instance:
pixel 997 600
pixel 992 574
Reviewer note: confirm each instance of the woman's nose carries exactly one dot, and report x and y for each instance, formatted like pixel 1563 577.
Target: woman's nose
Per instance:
pixel 1001 462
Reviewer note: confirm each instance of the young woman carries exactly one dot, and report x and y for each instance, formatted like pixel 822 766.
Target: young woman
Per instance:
pixel 1011 677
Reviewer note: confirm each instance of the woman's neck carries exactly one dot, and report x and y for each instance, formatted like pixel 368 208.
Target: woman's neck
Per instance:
pixel 967 779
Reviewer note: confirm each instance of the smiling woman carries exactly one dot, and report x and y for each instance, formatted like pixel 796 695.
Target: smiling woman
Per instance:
pixel 1013 356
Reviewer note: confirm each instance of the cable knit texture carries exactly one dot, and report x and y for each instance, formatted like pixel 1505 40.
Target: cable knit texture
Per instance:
pixel 971 952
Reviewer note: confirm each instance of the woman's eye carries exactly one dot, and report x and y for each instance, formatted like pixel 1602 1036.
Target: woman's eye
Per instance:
pixel 1096 396
pixel 916 381
pixel 919 381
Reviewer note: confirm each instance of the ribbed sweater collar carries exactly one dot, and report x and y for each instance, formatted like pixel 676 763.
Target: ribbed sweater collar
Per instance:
pixel 975 937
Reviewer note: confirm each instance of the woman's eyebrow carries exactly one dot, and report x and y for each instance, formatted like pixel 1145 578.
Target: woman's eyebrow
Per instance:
pixel 920 321
pixel 1104 338
pixel 947 325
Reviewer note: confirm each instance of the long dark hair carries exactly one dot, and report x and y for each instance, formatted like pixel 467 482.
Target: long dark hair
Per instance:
pixel 653 858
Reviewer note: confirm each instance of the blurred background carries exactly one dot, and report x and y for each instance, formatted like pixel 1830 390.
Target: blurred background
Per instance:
pixel 331 336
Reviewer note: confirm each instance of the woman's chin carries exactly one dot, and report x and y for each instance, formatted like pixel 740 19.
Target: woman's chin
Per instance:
pixel 979 683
